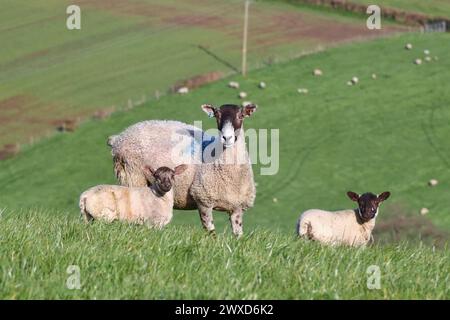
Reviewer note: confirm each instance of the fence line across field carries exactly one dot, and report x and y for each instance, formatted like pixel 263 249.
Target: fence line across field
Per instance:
pixel 436 26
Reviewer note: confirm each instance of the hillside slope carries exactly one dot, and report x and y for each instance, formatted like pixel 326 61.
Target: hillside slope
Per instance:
pixel 49 74
pixel 385 134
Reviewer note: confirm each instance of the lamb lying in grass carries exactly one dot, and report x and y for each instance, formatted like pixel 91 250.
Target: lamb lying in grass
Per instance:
pixel 151 205
pixel 347 227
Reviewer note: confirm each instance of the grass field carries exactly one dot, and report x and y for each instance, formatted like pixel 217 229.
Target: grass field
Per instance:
pixel 49 74
pixel 124 262
pixel 385 134
pixel 388 133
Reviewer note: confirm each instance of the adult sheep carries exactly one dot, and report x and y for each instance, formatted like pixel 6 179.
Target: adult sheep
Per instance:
pixel 219 174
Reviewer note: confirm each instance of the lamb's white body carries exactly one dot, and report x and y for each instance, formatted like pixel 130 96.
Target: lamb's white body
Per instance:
pixel 335 228
pixel 140 205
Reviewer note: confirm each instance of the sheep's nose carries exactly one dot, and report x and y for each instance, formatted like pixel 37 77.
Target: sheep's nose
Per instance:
pixel 227 139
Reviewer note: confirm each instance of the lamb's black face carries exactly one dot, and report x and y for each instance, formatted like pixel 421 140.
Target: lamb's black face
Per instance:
pixel 368 203
pixel 368 206
pixel 164 178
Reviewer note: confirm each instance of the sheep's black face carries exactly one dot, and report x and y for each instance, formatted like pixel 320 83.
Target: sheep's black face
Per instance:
pixel 229 119
pixel 368 203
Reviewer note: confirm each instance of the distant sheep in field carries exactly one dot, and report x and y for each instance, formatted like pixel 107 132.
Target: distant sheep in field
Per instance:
pixel 183 90
pixel 347 227
pixel 302 90
pixel 317 72
pixel 355 80
pixel 408 46
pixel 433 182
pixel 233 84
pixel 418 61
pixel 262 85
pixel 151 205
pixel 242 95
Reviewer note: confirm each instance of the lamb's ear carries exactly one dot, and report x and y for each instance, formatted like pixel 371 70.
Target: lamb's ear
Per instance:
pixel 353 196
pixel 209 110
pixel 149 170
pixel 247 110
pixel 180 169
pixel 383 196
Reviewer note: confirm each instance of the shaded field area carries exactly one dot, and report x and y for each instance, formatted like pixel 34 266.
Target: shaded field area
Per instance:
pixel 389 133
pixel 122 261
pixel 127 50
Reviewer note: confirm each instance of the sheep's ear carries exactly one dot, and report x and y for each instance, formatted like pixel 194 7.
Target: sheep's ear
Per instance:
pixel 180 169
pixel 209 110
pixel 247 110
pixel 353 196
pixel 383 196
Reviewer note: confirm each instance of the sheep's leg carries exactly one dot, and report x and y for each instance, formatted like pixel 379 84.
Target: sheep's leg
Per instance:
pixel 206 217
pixel 236 222
pixel 84 213
pixel 87 217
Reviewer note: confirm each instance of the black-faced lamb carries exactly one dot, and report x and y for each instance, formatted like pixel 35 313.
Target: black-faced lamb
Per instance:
pixel 351 227
pixel 151 205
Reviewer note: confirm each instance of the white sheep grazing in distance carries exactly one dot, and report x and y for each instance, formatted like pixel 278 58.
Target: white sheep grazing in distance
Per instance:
pixel 344 227
pixel 233 84
pixel 317 72
pixel 151 205
pixel 242 95
pixel 219 174
pixel 183 90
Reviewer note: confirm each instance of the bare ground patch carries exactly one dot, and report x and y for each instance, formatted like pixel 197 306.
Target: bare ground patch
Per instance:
pixel 403 225
pixel 198 81
pixel 30 118
pixel 288 27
